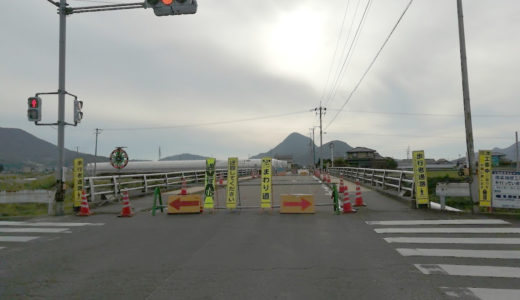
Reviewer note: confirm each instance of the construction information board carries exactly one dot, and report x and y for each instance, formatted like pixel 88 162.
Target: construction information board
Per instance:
pixel 484 178
pixel 506 189
pixel 232 183
pixel 420 179
pixel 267 177
pixel 78 181
pixel 209 183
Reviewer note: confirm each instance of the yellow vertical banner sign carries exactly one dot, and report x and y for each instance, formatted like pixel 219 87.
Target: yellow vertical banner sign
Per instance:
pixel 266 186
pixel 209 183
pixel 484 178
pixel 420 178
pixel 232 183
pixel 77 170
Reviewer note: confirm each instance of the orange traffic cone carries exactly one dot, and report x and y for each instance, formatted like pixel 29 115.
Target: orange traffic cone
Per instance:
pixel 84 210
pixel 183 190
pixel 127 210
pixel 359 198
pixel 347 205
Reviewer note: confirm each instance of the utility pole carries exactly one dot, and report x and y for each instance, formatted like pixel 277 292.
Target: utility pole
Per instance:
pixel 313 147
pixel 98 131
pixel 516 147
pixel 473 189
pixel 159 153
pixel 321 110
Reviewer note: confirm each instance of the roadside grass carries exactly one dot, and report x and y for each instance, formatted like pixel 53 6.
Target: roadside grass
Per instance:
pixel 14 183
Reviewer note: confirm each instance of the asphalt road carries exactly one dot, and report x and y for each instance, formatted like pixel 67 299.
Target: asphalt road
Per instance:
pixel 246 254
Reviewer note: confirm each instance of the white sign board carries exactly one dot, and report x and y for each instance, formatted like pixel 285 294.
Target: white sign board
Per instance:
pixel 506 189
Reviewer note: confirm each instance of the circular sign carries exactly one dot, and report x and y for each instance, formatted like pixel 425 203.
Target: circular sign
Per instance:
pixel 118 158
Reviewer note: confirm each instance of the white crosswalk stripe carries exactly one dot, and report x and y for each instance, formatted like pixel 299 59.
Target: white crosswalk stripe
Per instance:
pixel 472 271
pixel 484 294
pixel 447 230
pixel 442 240
pixel 439 222
pixel 32 230
pixel 13 227
pixel 495 254
pixel 22 239
pixel 47 224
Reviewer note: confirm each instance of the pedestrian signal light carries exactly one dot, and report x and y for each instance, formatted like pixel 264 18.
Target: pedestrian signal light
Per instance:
pixel 78 114
pixel 34 109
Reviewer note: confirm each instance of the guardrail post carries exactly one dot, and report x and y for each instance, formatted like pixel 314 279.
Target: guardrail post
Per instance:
pixel 400 182
pixel 92 189
pixel 116 186
pixel 145 182
pixel 166 179
pixel 384 180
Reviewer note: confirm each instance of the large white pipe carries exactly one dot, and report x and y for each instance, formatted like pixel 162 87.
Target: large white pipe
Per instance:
pixel 139 167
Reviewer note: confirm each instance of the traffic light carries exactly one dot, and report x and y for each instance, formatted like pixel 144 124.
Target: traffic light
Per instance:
pixel 172 7
pixel 78 115
pixel 34 110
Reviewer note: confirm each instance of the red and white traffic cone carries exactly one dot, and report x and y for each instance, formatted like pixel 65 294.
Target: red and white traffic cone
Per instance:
pixel 184 191
pixel 127 210
pixel 85 209
pixel 359 198
pixel 341 185
pixel 328 178
pixel 347 205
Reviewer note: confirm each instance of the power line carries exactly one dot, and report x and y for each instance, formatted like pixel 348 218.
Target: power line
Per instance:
pixel 340 74
pixel 417 114
pixel 336 49
pixel 209 123
pixel 371 64
pixel 420 135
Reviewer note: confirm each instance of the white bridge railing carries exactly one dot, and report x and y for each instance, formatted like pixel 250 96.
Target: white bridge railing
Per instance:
pixel 398 180
pixel 108 186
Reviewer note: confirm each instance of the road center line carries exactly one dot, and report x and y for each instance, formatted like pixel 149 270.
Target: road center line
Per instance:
pixel 441 240
pixel 469 270
pixel 448 230
pixel 440 222
pixel 498 254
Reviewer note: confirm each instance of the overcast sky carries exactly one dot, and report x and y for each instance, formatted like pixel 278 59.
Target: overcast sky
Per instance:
pixel 147 80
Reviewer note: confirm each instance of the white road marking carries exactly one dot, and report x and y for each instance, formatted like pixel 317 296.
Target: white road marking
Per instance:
pixel 38 230
pixel 469 270
pixel 499 254
pixel 48 224
pixel 440 222
pixel 17 238
pixel 447 230
pixel 483 294
pixel 440 240
pixel 2 248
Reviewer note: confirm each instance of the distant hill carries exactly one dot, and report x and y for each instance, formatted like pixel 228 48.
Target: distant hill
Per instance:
pixel 19 149
pixel 299 147
pixel 510 152
pixel 184 156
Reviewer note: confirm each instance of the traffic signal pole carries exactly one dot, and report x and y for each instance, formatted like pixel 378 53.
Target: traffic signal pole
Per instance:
pixel 60 193
pixel 160 8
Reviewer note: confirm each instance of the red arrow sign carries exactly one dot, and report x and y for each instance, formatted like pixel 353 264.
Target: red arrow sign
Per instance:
pixel 177 203
pixel 303 203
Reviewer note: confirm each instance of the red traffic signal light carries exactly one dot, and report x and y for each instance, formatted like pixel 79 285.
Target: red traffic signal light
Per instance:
pixel 167 2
